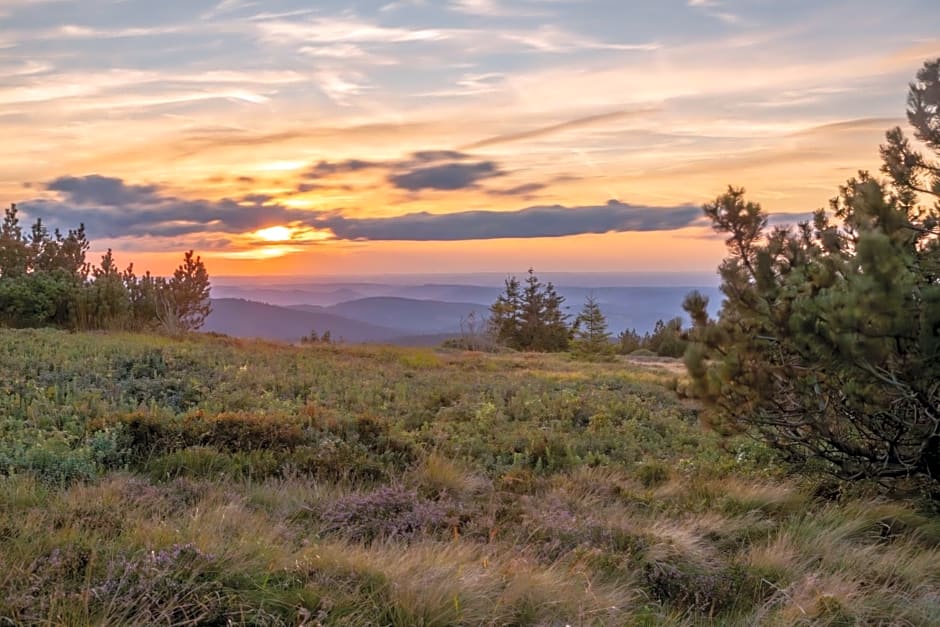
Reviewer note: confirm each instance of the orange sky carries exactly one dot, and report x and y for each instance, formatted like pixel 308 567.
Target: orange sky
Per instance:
pixel 298 140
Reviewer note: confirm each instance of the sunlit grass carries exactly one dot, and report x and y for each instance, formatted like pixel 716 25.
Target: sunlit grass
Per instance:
pixel 510 489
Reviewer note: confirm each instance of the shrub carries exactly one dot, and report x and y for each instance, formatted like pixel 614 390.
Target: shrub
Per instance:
pixel 652 474
pixel 168 586
pixel 390 512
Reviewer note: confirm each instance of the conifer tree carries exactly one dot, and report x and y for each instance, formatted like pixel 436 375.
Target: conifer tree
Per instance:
pixel 187 293
pixel 530 318
pixel 14 254
pixel 109 295
pixel 592 338
pixel 629 340
pixel 556 333
pixel 504 313
pixel 828 343
pixel 45 280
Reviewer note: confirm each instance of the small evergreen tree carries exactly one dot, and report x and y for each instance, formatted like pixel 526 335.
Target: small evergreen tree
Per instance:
pixel 530 318
pixel 109 297
pixel 187 293
pixel 629 340
pixel 311 338
pixel 504 313
pixel 592 339
pixel 14 255
pixel 556 333
pixel 667 339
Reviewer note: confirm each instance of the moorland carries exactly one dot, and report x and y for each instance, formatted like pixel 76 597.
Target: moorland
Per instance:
pixel 204 480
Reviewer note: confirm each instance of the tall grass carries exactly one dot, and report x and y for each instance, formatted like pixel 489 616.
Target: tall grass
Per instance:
pixel 146 480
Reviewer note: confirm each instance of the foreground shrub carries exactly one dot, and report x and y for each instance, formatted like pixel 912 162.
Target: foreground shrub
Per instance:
pixel 828 342
pixel 391 512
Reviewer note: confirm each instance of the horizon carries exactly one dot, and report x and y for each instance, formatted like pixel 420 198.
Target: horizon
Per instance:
pixel 467 136
pixel 595 279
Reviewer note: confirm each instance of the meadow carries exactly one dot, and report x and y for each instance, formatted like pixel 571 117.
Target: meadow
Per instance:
pixel 212 481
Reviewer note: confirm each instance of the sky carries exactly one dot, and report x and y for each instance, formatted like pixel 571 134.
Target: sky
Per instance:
pixel 289 137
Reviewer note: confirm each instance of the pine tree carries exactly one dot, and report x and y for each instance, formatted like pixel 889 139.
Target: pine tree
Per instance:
pixel 504 314
pixel 530 318
pixel 110 304
pixel 828 343
pixel 14 255
pixel 532 315
pixel 667 339
pixel 629 340
pixel 556 334
pixel 592 339
pixel 187 293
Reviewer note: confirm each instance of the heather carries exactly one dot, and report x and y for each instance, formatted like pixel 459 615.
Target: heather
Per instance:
pixel 203 480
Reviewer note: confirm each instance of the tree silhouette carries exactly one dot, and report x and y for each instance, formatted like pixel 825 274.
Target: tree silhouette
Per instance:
pixel 188 293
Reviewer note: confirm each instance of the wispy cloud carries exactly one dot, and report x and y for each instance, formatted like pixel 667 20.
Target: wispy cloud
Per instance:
pixel 334 30
pixel 560 127
pixel 715 9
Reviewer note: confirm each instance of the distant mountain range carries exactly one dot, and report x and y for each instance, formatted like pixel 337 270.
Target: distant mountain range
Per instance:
pixel 245 318
pixel 412 314
pixel 407 314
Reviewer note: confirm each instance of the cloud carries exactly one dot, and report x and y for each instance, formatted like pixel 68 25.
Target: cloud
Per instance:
pixel 446 177
pixel 340 87
pixel 789 219
pixel 558 128
pixel 526 189
pixel 113 209
pixel 714 9
pixel 442 170
pixel 547 221
pixel 335 30
pixel 103 190
pixel 330 168
pixel 491 8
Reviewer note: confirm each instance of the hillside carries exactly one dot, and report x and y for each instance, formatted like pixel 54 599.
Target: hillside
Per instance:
pixel 413 316
pixel 429 309
pixel 214 481
pixel 244 318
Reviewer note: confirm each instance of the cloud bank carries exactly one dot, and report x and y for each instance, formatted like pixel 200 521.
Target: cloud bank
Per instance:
pixel 112 208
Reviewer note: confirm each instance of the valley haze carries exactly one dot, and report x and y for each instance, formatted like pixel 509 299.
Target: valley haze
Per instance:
pixel 424 309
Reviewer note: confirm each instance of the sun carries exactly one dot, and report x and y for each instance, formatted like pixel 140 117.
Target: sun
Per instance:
pixel 275 234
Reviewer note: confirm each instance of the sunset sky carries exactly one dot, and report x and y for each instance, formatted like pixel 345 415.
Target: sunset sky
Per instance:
pixel 323 137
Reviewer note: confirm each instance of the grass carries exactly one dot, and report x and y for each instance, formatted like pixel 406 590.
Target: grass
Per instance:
pixel 212 481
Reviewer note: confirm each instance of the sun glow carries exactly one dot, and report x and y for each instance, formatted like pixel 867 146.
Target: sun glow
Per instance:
pixel 268 252
pixel 275 234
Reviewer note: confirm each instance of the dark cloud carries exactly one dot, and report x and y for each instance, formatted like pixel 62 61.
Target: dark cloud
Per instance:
pixel 446 176
pixel 426 156
pixel 103 190
pixel 151 212
pixel 547 221
pixel 330 168
pixel 442 170
pixel 789 219
pixel 526 189
pixel 111 208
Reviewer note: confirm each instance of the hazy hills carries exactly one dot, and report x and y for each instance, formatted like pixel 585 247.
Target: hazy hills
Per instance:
pixel 418 314
pixel 245 318
pixel 407 314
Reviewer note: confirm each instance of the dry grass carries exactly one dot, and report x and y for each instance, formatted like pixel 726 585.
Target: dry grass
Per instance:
pixel 506 490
